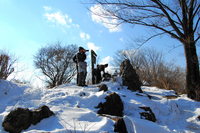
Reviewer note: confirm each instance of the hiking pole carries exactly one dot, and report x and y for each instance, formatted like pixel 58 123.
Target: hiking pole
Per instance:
pixel 77 73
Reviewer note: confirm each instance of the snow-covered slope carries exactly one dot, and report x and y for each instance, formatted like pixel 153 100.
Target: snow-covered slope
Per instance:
pixel 74 109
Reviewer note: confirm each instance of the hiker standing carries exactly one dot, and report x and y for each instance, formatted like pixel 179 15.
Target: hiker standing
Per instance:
pixel 81 66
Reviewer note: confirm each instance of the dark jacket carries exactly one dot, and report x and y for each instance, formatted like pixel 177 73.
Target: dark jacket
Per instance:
pixel 79 57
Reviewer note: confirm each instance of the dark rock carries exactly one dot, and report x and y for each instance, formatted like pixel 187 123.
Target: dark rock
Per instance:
pixel 143 94
pixel 82 94
pixel 112 106
pixel 129 76
pixel 17 120
pixel 21 119
pixel 106 77
pixel 148 114
pixel 103 87
pixel 120 126
pixel 99 105
pixel 171 96
pixel 198 117
pixel 41 113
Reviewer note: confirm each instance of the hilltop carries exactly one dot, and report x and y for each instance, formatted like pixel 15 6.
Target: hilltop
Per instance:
pixel 75 111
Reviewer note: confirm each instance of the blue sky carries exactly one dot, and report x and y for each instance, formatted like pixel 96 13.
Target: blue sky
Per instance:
pixel 27 25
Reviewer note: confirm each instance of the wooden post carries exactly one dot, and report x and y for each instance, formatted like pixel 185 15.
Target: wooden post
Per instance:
pixel 93 61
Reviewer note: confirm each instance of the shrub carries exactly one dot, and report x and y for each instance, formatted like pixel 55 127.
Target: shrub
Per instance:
pixel 6 65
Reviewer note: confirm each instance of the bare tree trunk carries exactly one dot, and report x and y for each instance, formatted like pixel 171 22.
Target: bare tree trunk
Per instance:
pixel 192 74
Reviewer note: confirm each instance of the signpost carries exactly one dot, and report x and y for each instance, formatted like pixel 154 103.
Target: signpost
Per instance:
pixel 93 61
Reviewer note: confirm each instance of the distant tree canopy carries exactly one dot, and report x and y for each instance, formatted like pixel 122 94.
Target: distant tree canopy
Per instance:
pixel 6 64
pixel 177 18
pixel 55 62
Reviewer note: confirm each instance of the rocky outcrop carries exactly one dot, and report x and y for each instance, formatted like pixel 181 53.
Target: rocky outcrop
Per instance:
pixel 129 76
pixel 112 106
pixel 22 118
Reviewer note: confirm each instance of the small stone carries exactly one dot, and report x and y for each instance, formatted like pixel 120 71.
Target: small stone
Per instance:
pixel 103 87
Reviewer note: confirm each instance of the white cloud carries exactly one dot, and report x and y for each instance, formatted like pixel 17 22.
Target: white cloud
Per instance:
pixel 107 60
pixel 47 8
pixel 92 46
pixel 84 36
pixel 59 18
pixel 110 22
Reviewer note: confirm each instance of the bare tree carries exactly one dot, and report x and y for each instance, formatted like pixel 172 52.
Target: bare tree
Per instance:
pixel 55 62
pixel 6 64
pixel 177 18
pixel 152 69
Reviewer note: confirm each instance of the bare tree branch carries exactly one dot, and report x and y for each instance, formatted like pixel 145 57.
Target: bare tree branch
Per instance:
pixel 160 4
pixel 197 24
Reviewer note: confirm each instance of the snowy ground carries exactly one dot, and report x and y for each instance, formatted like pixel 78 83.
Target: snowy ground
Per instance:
pixel 75 112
